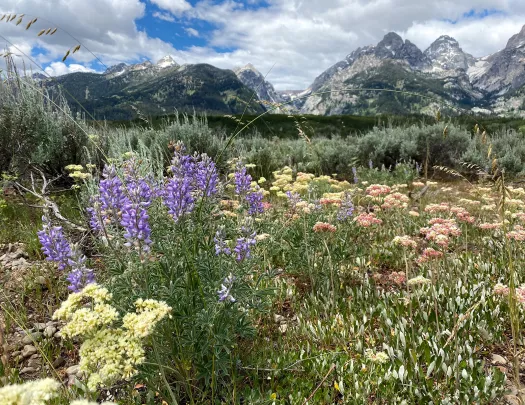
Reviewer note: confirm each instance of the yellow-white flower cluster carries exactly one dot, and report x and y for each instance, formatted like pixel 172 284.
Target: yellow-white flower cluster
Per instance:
pixel 30 393
pixel 149 312
pixel 379 357
pixel 109 353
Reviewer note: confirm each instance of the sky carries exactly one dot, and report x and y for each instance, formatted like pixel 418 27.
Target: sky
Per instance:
pixel 290 41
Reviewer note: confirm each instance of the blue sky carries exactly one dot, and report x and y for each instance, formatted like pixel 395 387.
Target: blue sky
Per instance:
pixel 291 40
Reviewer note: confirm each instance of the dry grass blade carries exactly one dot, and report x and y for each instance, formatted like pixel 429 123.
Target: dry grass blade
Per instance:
pixel 449 171
pixel 1 19
pixel 41 33
pixel 52 32
pixel 65 56
pixel 12 18
pixel 48 31
pixel 489 151
pixel 445 132
pixel 29 25
pixel 19 20
pixel 76 48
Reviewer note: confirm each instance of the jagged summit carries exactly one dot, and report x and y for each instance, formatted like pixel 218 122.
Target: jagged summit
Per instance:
pixel 517 40
pixel 446 54
pixel 166 61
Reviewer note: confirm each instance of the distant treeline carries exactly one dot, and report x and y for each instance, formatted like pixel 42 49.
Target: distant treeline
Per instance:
pixel 287 126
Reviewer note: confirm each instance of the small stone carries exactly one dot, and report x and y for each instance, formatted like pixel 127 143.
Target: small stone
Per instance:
pixel 283 327
pixel 40 326
pixel 35 363
pixel 20 263
pixel 28 370
pixel 15 354
pixel 498 360
pixel 59 362
pixel 32 337
pixel 512 400
pixel 279 318
pixel 58 335
pixel 49 331
pixel 28 351
pixel 73 370
pixel 41 280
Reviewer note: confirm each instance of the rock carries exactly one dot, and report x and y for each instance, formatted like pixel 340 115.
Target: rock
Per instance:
pixel 40 326
pixel 34 363
pixel 15 354
pixel 59 362
pixel 32 337
pixel 73 370
pixel 50 331
pixel 28 351
pixel 283 327
pixel 28 370
pixel 279 318
pixel 512 400
pixel 498 360
pixel 41 280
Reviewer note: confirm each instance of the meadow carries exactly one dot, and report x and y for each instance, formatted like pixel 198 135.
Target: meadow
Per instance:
pixel 185 264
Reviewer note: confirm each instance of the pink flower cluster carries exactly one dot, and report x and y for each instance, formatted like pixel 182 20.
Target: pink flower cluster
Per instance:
pixel 324 227
pixel 405 241
pixel 395 200
pixel 366 220
pixel 517 234
pixel 376 190
pixel 330 201
pixel 429 254
pixel 440 231
pixel 503 290
pixel 489 226
pixel 462 214
pixel 396 277
pixel 433 208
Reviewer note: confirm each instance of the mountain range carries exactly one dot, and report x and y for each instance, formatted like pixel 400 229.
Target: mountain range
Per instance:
pixel 393 77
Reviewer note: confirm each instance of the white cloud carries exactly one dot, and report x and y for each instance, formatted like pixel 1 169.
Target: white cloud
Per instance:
pixel 174 6
pixel 291 40
pixel 164 16
pixel 60 68
pixel 192 32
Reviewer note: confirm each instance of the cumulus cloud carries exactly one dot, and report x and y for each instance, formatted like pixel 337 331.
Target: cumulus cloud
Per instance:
pixel 174 6
pixel 192 32
pixel 292 41
pixel 164 16
pixel 60 68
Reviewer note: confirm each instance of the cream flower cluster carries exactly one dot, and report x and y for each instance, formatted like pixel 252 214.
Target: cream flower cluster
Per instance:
pixel 37 392
pixel 109 353
pixel 31 393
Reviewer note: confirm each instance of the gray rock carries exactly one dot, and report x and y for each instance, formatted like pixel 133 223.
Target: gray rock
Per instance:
pixel 34 363
pixel 498 360
pixel 73 370
pixel 32 337
pixel 40 326
pixel 50 331
pixel 28 370
pixel 41 280
pixel 28 351
pixel 59 362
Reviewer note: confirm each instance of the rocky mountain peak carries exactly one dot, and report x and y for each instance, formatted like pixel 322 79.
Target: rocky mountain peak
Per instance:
pixel 517 40
pixel 390 45
pixel 167 61
pixel 446 54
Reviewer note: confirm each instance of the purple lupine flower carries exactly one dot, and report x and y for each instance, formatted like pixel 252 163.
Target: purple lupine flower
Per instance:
pixel 112 195
pixel 80 275
pixel 354 172
pixel 254 199
pixel 206 177
pixel 95 216
pixel 178 197
pixel 243 247
pixel 225 291
pixel 346 209
pixel 220 243
pixel 183 165
pixel 293 199
pixel 135 221
pixel 54 244
pixel 242 180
